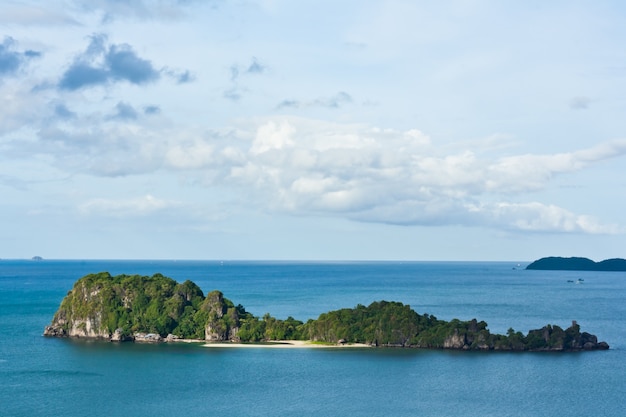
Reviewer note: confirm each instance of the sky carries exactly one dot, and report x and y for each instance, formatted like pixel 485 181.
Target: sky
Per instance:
pixel 312 130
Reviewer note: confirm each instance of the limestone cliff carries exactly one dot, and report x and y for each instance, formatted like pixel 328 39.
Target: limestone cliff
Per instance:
pixel 128 307
pixel 222 318
pixel 81 312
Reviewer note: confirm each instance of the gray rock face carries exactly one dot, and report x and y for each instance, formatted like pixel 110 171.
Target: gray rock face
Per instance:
pixel 119 336
pixel 147 338
pixel 172 338
pixel 89 327
pixel 454 341
pixel 553 338
pixel 223 321
pixel 53 331
pixel 70 323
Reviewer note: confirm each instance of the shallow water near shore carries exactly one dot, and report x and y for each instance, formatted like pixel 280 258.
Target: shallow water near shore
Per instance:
pixel 45 376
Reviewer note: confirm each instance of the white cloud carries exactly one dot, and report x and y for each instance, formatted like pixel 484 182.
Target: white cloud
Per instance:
pixel 309 167
pixel 189 155
pixel 538 217
pixel 531 172
pixel 272 135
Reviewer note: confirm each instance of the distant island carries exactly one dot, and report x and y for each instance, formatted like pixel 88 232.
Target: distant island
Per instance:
pixel 159 309
pixel 577 264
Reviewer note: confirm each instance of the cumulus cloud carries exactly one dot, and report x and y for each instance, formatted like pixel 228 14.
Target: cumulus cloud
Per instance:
pixel 310 167
pixel 102 64
pixel 12 60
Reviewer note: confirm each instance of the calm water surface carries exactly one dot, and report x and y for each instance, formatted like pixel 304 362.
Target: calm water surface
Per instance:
pixel 41 376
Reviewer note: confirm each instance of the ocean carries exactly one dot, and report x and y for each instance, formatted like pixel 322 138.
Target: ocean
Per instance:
pixel 60 377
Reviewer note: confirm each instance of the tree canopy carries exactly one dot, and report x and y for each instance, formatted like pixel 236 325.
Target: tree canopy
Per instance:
pixel 100 305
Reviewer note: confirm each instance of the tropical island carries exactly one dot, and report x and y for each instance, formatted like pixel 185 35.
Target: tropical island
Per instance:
pixel 556 263
pixel 159 309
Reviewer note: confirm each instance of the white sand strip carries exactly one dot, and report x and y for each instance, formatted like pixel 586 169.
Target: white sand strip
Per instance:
pixel 284 344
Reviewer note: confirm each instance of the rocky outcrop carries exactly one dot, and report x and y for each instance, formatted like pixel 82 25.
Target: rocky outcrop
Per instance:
pixel 54 331
pixel 455 341
pixel 548 338
pixel 223 319
pixel 119 336
pixel 143 309
pixel 75 319
pixel 554 338
pixel 147 338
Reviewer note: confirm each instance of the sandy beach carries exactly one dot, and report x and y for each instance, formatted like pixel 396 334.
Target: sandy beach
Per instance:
pixel 285 344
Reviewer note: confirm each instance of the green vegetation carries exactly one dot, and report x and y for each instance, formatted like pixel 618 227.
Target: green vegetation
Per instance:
pixel 133 303
pixel 101 305
pixel 394 324
pixel 381 323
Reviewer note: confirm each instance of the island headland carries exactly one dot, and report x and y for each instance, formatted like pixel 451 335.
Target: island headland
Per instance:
pixel 159 309
pixel 554 263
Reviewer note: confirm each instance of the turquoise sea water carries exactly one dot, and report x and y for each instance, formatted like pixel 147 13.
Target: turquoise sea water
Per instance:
pixel 43 376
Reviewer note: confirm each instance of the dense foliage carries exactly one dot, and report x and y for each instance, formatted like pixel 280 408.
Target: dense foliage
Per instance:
pixel 384 323
pixel 100 305
pixel 394 324
pixel 134 303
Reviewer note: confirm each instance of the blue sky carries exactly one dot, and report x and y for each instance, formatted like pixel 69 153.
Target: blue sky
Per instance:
pixel 409 130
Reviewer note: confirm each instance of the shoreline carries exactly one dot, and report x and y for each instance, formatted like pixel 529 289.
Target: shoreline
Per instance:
pixel 286 344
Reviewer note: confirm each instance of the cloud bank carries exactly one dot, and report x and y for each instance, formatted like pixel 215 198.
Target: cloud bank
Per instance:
pixel 307 167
